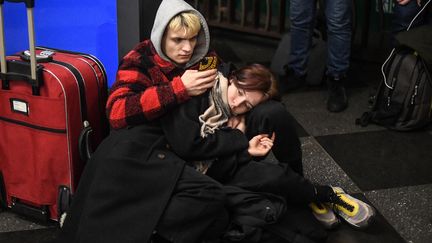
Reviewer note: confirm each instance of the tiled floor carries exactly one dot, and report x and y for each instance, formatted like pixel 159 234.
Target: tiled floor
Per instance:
pixel 391 170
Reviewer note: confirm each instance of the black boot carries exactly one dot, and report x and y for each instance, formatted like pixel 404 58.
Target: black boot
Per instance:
pixel 337 98
pixel 290 81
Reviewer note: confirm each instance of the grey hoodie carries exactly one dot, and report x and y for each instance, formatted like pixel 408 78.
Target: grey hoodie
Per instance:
pixel 167 10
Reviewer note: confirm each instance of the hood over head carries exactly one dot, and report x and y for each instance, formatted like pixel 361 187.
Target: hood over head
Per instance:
pixel 167 10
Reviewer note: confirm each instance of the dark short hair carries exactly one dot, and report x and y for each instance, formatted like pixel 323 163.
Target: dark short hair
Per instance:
pixel 255 77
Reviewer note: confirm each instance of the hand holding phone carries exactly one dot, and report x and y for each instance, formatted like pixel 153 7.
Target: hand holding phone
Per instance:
pixel 197 82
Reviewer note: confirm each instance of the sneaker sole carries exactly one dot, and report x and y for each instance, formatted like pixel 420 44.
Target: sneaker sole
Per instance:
pixel 332 226
pixel 329 224
pixel 365 223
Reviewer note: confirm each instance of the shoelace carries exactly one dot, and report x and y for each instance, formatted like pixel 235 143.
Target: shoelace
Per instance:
pixel 336 199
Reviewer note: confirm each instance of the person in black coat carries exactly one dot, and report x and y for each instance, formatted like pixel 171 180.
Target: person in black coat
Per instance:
pixel 138 182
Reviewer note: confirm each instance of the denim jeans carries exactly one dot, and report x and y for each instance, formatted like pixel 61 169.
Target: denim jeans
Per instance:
pixel 339 29
pixel 403 15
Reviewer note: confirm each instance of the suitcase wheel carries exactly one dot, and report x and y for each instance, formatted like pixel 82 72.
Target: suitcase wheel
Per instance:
pixel 64 201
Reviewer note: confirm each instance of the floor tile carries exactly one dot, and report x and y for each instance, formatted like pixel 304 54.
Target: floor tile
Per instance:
pixel 12 222
pixel 309 108
pixel 382 159
pixel 29 236
pixel 320 168
pixel 408 209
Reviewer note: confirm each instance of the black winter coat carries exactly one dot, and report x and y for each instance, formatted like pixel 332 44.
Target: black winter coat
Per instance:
pixel 130 178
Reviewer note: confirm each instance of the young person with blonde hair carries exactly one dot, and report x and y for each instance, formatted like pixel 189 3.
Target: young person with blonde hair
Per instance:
pixel 161 72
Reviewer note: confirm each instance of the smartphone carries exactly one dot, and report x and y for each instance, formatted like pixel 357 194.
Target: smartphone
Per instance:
pixel 208 63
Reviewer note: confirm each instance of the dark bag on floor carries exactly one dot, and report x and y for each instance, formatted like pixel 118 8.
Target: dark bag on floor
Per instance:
pixel 249 212
pixel 403 100
pixel 255 217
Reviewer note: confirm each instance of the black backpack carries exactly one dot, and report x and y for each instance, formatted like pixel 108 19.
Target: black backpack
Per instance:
pixel 403 100
pixel 258 217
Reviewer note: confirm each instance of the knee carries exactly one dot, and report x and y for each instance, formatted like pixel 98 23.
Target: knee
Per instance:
pixel 405 12
pixel 405 16
pixel 301 21
pixel 271 116
pixel 268 115
pixel 268 109
pixel 339 24
pixel 340 19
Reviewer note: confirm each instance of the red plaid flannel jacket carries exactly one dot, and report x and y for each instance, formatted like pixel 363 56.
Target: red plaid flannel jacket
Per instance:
pixel 146 87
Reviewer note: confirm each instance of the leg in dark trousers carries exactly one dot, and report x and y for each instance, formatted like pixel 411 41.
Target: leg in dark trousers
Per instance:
pixel 297 222
pixel 272 116
pixel 279 179
pixel 196 210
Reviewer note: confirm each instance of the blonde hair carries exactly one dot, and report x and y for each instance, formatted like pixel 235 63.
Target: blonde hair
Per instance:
pixel 188 20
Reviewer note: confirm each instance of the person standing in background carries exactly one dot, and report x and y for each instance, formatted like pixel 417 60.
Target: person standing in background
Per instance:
pixel 338 15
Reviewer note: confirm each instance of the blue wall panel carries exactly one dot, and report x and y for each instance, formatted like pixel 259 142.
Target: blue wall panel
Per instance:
pixel 79 25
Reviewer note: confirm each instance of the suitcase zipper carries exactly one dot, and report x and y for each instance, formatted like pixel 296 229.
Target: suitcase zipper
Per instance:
pixel 414 94
pixel 25 124
pixel 395 75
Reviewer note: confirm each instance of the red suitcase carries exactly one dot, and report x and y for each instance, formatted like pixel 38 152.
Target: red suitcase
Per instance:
pixel 48 114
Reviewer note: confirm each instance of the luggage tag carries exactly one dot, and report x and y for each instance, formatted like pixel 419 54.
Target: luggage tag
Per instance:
pixel 43 56
pixel 19 106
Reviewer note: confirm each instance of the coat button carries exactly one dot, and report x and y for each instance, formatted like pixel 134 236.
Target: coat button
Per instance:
pixel 161 156
pixel 167 146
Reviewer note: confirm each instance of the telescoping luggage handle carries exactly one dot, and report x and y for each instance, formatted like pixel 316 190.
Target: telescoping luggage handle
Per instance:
pixel 20 70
